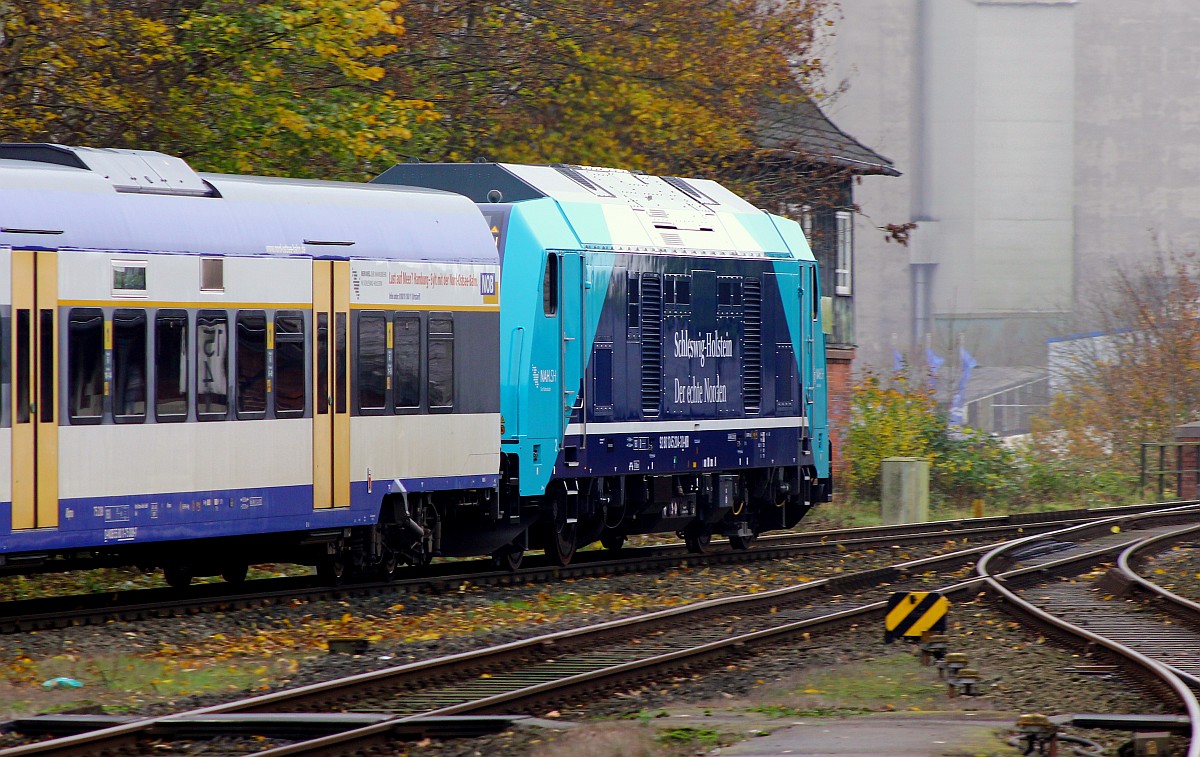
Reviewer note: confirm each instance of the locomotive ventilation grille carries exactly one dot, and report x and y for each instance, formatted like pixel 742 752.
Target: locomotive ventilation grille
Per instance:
pixel 652 344
pixel 752 351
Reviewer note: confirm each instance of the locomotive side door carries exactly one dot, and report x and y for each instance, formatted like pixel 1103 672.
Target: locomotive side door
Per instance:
pixel 331 383
pixel 571 318
pixel 34 398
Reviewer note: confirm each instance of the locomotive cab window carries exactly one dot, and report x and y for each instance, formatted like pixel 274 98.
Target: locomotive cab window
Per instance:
pixel 550 286
pixel 212 365
pixel 170 365
pixel 251 364
pixel 290 386
pixel 129 366
pixel 441 362
pixel 85 365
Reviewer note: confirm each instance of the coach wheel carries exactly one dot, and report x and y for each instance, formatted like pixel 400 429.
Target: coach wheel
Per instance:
pixel 696 537
pixel 235 574
pixel 739 542
pixel 177 576
pixel 331 570
pixel 558 542
pixel 508 557
pixel 389 565
pixel 612 540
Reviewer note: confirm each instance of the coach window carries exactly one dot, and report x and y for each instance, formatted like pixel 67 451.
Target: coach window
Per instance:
pixel 550 286
pixel 251 363
pixel 212 274
pixel 85 365
pixel 170 365
pixel 212 365
pixel 321 387
pixel 441 361
pixel 372 362
pixel 407 358
pixel 129 366
pixel 340 360
pixel 290 385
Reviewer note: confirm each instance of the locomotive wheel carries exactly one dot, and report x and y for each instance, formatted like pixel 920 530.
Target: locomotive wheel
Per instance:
pixel 235 574
pixel 558 542
pixel 177 576
pixel 612 540
pixel 508 557
pixel 696 538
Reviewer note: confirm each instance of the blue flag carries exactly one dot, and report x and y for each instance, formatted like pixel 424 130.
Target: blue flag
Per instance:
pixel 935 363
pixel 958 405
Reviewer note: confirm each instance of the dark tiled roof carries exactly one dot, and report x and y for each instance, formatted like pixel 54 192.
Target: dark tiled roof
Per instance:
pixel 799 126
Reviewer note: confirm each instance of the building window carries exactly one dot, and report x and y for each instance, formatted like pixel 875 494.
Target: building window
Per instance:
pixel 845 253
pixel 806 222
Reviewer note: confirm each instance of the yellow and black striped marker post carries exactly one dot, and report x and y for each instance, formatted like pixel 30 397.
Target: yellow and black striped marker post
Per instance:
pixel 910 614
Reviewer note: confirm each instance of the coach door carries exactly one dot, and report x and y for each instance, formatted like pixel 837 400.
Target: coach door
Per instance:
pixel 331 383
pixel 34 399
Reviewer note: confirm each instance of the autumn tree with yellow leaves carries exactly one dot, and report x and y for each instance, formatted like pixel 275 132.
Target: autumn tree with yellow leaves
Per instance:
pixel 344 88
pixel 292 87
pixel 1136 381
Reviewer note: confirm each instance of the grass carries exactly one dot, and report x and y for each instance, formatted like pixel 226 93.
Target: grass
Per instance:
pixel 894 682
pixel 121 683
pixel 694 738
pixel 848 512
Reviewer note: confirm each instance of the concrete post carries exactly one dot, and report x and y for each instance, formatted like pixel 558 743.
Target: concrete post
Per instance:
pixel 905 484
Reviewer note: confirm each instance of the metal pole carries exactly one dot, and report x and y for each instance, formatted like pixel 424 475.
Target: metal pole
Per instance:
pixel 1162 464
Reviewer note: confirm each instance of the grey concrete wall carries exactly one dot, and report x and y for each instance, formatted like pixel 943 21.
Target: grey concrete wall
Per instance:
pixel 1138 126
pixel 975 101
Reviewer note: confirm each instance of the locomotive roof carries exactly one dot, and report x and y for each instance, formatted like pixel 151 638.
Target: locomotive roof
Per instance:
pixel 612 208
pixel 59 197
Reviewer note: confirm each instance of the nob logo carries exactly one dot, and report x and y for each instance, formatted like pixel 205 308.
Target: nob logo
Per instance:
pixel 487 284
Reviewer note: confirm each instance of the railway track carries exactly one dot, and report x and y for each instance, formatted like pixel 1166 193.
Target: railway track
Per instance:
pixel 102 607
pixel 521 676
pixel 379 707
pixel 1113 612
